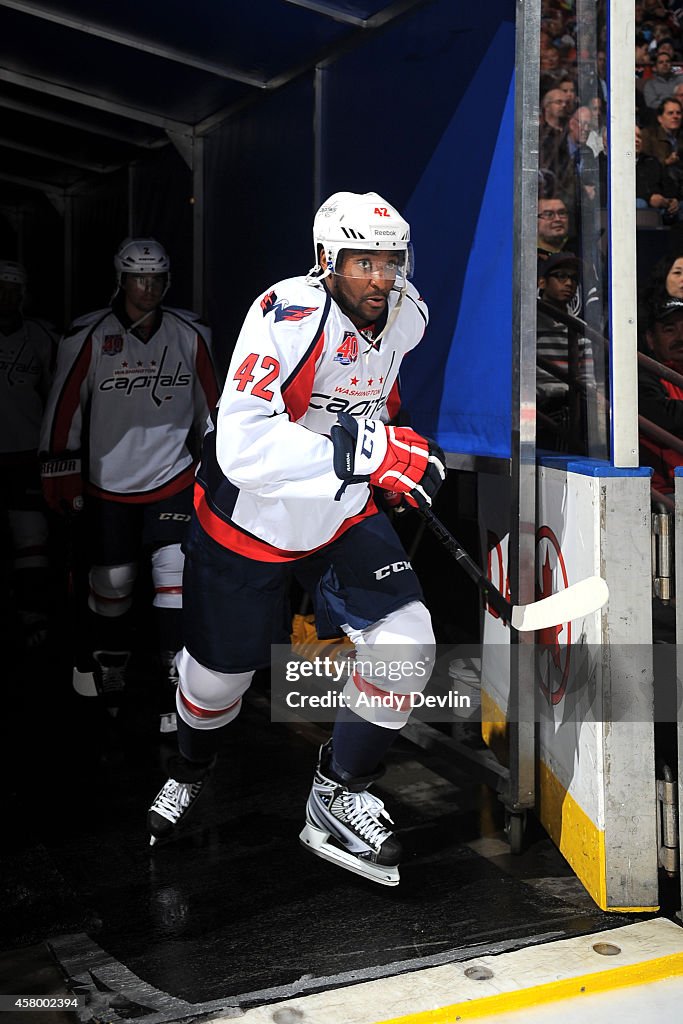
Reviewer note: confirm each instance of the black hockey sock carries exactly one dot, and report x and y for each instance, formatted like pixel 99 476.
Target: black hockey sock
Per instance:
pixel 358 746
pixel 182 770
pixel 198 745
pixel 169 628
pixel 110 634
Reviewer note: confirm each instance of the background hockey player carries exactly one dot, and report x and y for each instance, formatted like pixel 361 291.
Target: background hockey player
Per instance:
pixel 27 349
pixel 286 484
pixel 133 387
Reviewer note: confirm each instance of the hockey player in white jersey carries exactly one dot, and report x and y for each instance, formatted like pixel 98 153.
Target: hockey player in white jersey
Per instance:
pixel 27 349
pixel 133 388
pixel 298 443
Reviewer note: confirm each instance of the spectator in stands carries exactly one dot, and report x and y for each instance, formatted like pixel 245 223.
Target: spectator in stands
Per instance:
pixel 661 400
pixel 552 22
pixel 601 76
pixel 553 227
pixel 661 36
pixel 661 86
pixel 655 10
pixel 550 59
pixel 642 52
pixel 554 156
pixel 565 364
pixel 663 140
pixel 582 156
pixel 555 110
pixel 595 139
pixel 673 282
pixel 665 281
pixel 567 85
pixel 667 46
pixel 554 237
pixel 655 188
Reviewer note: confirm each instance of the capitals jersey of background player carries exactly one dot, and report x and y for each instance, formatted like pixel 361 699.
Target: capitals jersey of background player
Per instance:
pixel 132 405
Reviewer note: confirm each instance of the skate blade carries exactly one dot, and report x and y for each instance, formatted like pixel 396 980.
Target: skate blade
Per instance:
pixel 315 840
pixel 84 683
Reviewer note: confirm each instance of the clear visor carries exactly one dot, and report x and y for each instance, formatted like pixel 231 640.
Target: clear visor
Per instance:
pixel 382 264
pixel 148 282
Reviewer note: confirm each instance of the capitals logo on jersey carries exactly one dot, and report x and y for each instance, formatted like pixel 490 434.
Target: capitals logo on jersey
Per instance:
pixel 271 304
pixel 112 344
pixel 348 350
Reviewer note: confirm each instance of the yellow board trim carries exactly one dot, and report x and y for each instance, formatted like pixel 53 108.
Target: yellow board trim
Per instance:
pixel 641 973
pixel 494 728
pixel 577 837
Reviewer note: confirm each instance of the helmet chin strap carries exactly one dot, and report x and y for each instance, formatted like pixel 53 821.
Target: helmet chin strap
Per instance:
pixel 316 274
pixel 142 319
pixel 390 319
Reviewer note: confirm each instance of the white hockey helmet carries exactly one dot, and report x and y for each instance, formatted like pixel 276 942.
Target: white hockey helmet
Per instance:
pixel 141 256
pixel 349 220
pixel 13 273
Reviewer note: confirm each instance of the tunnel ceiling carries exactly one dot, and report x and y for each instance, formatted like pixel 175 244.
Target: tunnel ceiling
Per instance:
pixel 86 87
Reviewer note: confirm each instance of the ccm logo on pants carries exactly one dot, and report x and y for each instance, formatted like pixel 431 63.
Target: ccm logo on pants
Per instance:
pixel 382 573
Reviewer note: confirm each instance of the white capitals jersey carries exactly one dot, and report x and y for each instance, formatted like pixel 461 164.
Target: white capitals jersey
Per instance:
pixel 26 358
pixel 266 486
pixel 131 405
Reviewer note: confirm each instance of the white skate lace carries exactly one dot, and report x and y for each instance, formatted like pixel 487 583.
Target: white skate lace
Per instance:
pixel 175 798
pixel 363 811
pixel 112 679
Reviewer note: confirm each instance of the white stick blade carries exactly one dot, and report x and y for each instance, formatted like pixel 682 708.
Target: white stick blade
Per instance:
pixel 572 603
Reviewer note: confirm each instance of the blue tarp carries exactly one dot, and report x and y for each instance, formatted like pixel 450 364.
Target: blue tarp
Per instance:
pixel 458 383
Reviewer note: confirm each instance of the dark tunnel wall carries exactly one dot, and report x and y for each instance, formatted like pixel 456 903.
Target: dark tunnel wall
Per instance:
pixel 259 211
pixel 154 200
pixel 162 209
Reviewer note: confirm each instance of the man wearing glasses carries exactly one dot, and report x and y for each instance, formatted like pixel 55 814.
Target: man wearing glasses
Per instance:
pixel 553 226
pixel 562 370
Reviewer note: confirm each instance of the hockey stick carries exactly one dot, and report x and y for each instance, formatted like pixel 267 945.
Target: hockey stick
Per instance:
pixel 575 601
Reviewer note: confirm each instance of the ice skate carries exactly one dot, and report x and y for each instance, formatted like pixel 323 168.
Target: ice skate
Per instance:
pixel 109 676
pixel 176 798
pixel 345 825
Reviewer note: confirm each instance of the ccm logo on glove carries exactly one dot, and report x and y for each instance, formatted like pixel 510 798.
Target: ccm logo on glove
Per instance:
pixel 393 458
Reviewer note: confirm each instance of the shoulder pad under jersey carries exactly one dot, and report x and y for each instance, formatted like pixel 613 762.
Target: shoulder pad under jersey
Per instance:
pixel 44 325
pixel 185 314
pixel 86 321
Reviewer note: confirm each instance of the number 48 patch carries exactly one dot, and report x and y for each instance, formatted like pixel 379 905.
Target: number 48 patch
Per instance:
pixel 245 375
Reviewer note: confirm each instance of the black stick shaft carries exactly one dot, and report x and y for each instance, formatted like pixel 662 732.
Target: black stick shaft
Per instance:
pixel 490 593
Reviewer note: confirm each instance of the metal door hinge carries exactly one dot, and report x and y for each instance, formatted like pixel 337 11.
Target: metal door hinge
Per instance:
pixel 667 823
pixel 662 556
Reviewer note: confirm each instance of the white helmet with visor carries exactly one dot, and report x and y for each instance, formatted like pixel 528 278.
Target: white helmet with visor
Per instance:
pixel 348 220
pixel 12 273
pixel 141 256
